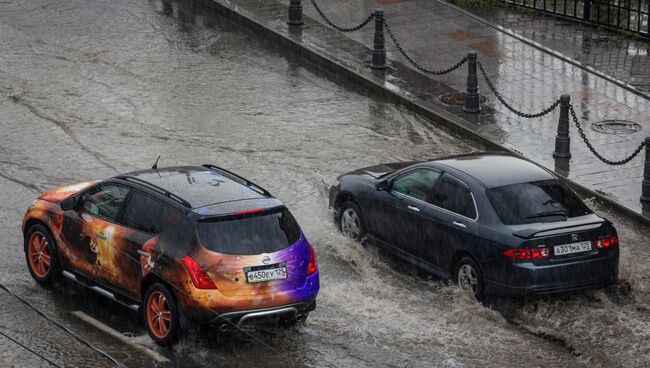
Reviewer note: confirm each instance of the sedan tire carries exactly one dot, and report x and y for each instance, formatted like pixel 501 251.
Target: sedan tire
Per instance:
pixel 468 276
pixel 351 221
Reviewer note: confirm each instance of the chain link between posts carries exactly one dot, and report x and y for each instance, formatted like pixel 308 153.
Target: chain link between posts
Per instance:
pixel 494 90
pixel 506 104
pixel 593 150
pixel 342 29
pixel 414 63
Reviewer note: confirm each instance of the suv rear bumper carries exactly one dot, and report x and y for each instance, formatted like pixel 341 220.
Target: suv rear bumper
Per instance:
pixel 525 278
pixel 206 305
pixel 236 319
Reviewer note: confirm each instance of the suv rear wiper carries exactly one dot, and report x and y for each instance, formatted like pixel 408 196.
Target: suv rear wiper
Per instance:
pixel 546 214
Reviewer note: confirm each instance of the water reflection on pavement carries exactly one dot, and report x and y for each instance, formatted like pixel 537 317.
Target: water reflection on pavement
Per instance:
pixel 88 90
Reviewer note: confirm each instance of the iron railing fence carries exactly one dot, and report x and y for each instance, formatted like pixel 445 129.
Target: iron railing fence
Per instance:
pixel 629 15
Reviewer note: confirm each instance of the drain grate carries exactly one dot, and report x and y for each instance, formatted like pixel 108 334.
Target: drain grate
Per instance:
pixel 457 99
pixel 615 126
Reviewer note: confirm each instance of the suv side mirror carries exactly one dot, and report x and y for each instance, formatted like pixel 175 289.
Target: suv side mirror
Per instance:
pixel 69 203
pixel 383 185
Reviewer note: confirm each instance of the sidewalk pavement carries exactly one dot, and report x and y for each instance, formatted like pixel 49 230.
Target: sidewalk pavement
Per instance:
pixel 624 58
pixel 437 35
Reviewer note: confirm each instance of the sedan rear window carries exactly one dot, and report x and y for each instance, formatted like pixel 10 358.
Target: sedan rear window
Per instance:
pixel 250 233
pixel 540 201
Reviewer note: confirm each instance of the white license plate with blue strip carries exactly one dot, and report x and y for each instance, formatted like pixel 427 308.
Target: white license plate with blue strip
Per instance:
pixel 580 247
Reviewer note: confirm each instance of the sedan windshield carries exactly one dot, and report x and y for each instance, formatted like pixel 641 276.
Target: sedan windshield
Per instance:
pixel 250 233
pixel 540 201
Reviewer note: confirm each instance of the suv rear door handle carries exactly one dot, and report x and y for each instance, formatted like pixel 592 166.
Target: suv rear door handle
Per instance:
pixel 459 224
pixel 414 209
pixel 101 236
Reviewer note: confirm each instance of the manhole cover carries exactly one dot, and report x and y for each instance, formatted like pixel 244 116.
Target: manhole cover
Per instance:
pixel 618 127
pixel 458 99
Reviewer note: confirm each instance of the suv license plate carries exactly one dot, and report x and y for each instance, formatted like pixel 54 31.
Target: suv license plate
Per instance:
pixel 560 250
pixel 266 274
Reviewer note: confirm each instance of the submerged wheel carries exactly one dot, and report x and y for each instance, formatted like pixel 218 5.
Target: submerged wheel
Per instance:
pixel 351 221
pixel 161 315
pixel 469 277
pixel 40 253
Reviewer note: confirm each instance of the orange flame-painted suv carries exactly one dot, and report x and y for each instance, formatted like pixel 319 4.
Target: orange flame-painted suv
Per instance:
pixel 180 244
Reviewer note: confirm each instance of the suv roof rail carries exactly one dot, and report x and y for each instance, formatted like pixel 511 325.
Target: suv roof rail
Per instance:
pixel 239 179
pixel 158 189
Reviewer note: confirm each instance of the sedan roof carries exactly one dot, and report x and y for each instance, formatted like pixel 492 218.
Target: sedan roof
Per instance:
pixel 496 169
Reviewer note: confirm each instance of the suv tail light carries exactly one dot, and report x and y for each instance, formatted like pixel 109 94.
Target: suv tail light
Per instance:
pixel 528 253
pixel 312 267
pixel 606 242
pixel 200 278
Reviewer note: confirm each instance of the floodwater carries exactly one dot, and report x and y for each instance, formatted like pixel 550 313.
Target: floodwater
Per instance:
pixel 89 89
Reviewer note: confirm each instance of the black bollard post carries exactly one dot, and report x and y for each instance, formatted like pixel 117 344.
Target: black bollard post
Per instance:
pixel 645 185
pixel 562 140
pixel 379 50
pixel 472 98
pixel 295 13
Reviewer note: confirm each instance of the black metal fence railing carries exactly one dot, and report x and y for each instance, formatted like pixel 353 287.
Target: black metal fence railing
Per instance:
pixel 562 152
pixel 629 15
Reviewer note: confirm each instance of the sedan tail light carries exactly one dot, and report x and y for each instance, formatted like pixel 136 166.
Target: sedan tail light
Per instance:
pixel 312 267
pixel 606 242
pixel 527 253
pixel 199 277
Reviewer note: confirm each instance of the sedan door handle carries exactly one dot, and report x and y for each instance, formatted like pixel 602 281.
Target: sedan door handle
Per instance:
pixel 459 224
pixel 414 209
pixel 101 236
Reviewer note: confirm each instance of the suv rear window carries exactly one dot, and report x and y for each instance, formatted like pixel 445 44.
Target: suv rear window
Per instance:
pixel 540 201
pixel 251 233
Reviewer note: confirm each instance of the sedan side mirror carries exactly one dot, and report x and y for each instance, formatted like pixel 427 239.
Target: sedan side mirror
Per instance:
pixel 69 203
pixel 383 185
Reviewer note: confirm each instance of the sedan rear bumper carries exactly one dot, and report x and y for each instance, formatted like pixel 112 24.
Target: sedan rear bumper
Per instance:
pixel 526 278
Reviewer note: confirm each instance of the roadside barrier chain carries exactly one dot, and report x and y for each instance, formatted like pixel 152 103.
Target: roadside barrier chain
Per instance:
pixel 415 64
pixel 392 37
pixel 573 116
pixel 593 150
pixel 342 29
pixel 506 104
pixel 494 90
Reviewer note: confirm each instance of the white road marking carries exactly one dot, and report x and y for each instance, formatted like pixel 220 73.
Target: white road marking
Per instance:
pixel 124 339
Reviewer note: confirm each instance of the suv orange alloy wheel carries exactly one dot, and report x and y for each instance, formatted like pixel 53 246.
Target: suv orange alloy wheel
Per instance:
pixel 39 254
pixel 159 317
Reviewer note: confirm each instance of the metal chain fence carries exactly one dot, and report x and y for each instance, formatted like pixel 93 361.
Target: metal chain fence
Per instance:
pixel 506 104
pixel 341 29
pixel 494 90
pixel 593 150
pixel 414 63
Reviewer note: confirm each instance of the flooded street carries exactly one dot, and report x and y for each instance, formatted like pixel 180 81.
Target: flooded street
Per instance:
pixel 90 89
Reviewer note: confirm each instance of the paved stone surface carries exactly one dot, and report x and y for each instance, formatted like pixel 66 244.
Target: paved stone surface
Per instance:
pixel 90 89
pixel 438 35
pixel 622 57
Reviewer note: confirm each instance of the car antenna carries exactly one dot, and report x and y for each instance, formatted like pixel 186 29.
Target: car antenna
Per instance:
pixel 155 165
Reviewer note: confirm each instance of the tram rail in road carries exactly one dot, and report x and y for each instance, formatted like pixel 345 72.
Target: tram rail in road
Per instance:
pixel 120 337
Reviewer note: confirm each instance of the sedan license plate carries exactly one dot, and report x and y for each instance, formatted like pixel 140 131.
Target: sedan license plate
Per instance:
pixel 580 247
pixel 266 273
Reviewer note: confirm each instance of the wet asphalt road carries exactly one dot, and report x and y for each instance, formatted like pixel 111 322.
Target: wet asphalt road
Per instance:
pixel 89 89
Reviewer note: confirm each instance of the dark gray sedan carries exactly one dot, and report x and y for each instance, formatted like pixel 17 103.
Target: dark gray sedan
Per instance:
pixel 495 223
